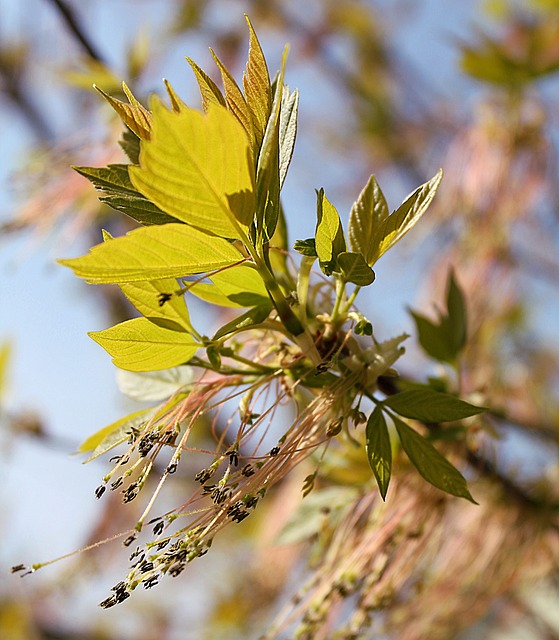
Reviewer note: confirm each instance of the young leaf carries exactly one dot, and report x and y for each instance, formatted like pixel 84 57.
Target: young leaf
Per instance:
pixel 252 317
pixel 396 225
pixel 234 99
pixel 176 103
pixel 330 240
pixel 210 92
pixel 445 340
pixel 145 297
pixel 114 181
pixel 143 345
pixel 150 253
pixel 198 168
pixel 287 130
pixel 240 286
pixel 427 405
pixel 354 268
pixel 134 115
pixel 256 83
pixel 379 450
pixel 434 467
pixel 457 314
pixel 130 144
pixel 306 247
pixel 366 216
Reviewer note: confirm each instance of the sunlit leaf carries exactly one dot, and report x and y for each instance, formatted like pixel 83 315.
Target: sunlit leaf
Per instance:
pixel 239 286
pixel 396 225
pixel 431 406
pixel 142 345
pixel 379 450
pixel 234 99
pixel 434 467
pixel 198 169
pixel 330 240
pixel 366 216
pixel 134 115
pixel 152 253
pixel 145 296
pixel 287 130
pixel 354 268
pixel 256 84
pixel 210 92
pixel 176 103
pixel 252 317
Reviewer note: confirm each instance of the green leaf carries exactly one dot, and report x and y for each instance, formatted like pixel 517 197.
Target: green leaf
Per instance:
pixel 134 115
pixel 434 467
pixel 445 340
pixel 210 92
pixel 247 320
pixel 130 144
pixel 366 216
pixel 354 269
pixel 256 83
pixel 234 99
pixel 457 314
pixel 145 297
pixel 239 286
pixel 427 406
pixel 5 353
pixel 176 103
pixel 143 345
pixel 330 240
pixel 379 450
pixel 287 130
pixel 152 253
pixel 114 181
pixel 198 168
pixel 396 225
pixel 154 386
pixel 306 247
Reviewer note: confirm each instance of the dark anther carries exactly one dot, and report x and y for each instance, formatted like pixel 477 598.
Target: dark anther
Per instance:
pixel 233 457
pixel 146 566
pixel 158 528
pixel 275 451
pixel 18 567
pixel 172 468
pixel 204 475
pixel 100 491
pixel 248 471
pixel 150 582
pixel 129 540
pixel 176 569
pixel 116 484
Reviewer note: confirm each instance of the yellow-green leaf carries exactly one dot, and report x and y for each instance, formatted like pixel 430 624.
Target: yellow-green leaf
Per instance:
pixel 396 225
pixel 367 214
pixel 379 450
pixel 256 83
pixel 145 297
pixel 198 168
pixel 239 286
pixel 134 115
pixel 210 92
pixel 330 240
pixel 143 345
pixel 151 253
pixel 113 434
pixel 176 103
pixel 234 98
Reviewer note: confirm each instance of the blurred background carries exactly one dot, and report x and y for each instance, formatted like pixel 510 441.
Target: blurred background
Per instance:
pixel 397 88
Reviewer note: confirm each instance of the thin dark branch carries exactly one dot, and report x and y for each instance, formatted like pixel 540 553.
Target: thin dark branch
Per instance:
pixel 77 30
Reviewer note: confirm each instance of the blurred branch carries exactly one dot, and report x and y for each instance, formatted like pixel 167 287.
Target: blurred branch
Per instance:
pixel 77 30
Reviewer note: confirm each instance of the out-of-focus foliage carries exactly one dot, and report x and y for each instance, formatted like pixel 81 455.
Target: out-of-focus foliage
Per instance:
pixel 419 565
